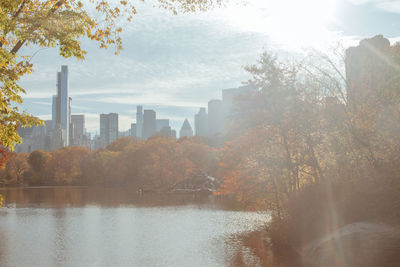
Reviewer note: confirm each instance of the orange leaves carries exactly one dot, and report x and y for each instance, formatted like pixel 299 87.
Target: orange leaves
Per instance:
pixel 3 157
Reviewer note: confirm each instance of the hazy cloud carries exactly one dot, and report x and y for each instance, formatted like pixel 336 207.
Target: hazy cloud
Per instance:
pixel 175 64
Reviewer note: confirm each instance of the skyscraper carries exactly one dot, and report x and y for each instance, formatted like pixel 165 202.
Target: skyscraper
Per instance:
pixel 149 123
pixel 139 121
pixel 108 128
pixel 64 102
pixel 104 130
pixel 215 117
pixel 186 130
pixel 231 96
pixel 367 69
pixel 113 118
pixel 61 110
pixel 161 123
pixel 201 123
pixel 54 112
pixel 167 131
pixel 231 104
pixel 78 130
pixel 34 138
pixel 133 130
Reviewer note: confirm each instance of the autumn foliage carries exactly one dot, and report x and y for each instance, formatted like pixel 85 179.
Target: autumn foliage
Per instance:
pixel 316 147
pixel 154 164
pixel 61 24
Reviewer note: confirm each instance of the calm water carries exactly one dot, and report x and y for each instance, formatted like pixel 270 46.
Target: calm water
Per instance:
pixel 116 227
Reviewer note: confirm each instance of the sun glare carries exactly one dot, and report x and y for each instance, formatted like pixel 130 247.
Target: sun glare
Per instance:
pixel 292 23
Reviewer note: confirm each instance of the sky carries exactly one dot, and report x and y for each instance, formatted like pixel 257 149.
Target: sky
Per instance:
pixel 176 64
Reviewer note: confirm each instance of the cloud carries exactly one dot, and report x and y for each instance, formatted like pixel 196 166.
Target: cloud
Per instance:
pixel 389 6
pixel 174 64
pixel 362 2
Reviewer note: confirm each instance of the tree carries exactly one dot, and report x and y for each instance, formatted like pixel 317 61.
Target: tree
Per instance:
pixel 99 167
pixel 61 24
pixel 64 165
pixel 37 161
pixel 121 143
pixel 17 166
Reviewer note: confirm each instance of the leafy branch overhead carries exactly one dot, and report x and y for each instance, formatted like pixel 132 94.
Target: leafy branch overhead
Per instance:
pixel 59 24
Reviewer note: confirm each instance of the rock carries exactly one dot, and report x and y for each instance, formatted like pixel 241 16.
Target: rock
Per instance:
pixel 200 183
pixel 358 244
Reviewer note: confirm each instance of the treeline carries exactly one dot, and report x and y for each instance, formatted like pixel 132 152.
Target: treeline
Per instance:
pixel 155 164
pixel 317 145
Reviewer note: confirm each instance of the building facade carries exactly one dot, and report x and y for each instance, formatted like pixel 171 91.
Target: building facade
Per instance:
pixel 61 111
pixel 139 121
pixel 161 123
pixel 149 123
pixel 186 130
pixel 108 128
pixel 133 130
pixel 201 123
pixel 64 100
pixel 78 130
pixel 215 117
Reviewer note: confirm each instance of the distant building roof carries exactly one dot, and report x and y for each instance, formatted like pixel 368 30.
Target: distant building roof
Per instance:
pixel 186 129
pixel 186 125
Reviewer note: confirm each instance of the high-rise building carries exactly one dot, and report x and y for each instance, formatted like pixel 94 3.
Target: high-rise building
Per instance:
pixel 54 111
pixel 48 124
pixel 34 138
pixel 124 133
pixel 78 130
pixel 133 129
pixel 108 128
pixel 104 131
pixel 149 123
pixel 368 62
pixel 186 130
pixel 64 101
pixel 139 121
pixel 201 123
pixel 61 110
pixel 161 123
pixel 215 117
pixel 113 127
pixel 231 104
pixel 96 143
pixel 231 96
pixel 166 131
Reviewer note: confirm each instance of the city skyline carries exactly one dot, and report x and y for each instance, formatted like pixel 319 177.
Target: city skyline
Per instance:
pixel 205 133
pixel 195 44
pixel 62 112
pixel 68 129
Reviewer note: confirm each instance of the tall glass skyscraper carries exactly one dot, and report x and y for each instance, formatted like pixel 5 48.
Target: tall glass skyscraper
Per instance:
pixel 61 115
pixel 139 121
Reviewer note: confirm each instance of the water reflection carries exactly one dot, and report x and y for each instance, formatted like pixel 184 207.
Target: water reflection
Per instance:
pixel 115 227
pixel 102 196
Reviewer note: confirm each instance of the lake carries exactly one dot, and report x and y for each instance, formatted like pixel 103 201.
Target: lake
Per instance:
pixel 77 226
